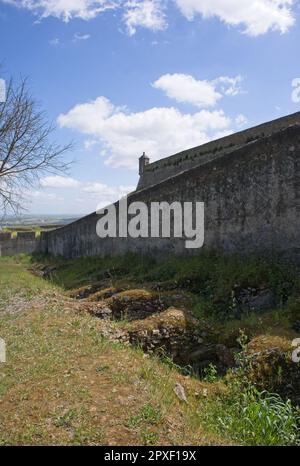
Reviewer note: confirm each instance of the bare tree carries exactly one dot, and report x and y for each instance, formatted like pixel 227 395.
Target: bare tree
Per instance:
pixel 26 147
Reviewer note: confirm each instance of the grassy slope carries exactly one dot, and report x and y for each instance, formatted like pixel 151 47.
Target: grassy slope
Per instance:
pixel 64 384
pixel 207 282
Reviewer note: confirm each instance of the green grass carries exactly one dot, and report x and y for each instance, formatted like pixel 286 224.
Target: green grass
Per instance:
pixel 209 277
pixel 148 415
pixel 254 418
pixel 64 383
pixel 15 280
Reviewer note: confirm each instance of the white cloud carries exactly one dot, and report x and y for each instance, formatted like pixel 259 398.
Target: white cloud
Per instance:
pixel 59 182
pixel 105 193
pixel 256 17
pixel 90 143
pixel 148 14
pixel 229 86
pixel 185 88
pixel 158 131
pixel 241 120
pixel 42 196
pixel 136 13
pixel 81 36
pixel 65 9
pixel 97 190
pixel 101 195
pixel 75 196
pixel 54 41
pixel 92 195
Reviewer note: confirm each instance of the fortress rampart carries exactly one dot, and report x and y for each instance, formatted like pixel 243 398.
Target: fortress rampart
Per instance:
pixel 251 197
pixel 167 167
pixel 24 243
pixel 250 189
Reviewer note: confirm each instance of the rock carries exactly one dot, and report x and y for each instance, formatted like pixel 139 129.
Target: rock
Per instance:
pixel 134 304
pixel 296 325
pixel 174 332
pixel 180 392
pixel 225 356
pixel 44 271
pixel 263 301
pixel 100 310
pixel 219 355
pixel 48 271
pixel 271 368
pixel 124 305
pixel 103 313
pixel 203 353
pixel 104 293
pixel 85 291
pixel 244 300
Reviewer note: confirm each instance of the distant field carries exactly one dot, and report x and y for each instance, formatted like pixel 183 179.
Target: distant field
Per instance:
pixel 34 223
pixel 37 228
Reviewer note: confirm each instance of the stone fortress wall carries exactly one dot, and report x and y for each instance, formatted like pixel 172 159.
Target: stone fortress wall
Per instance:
pixel 24 243
pixel 250 188
pixel 190 158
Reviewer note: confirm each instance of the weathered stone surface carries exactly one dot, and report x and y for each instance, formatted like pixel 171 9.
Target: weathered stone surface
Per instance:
pixel 174 332
pixel 296 325
pixel 250 194
pixel 105 293
pixel 86 291
pixel 246 300
pixel 24 243
pixel 44 271
pixel 177 334
pixel 134 304
pixel 97 309
pixel 125 305
pixel 271 366
pixel 295 314
pixel 218 354
pixel 162 169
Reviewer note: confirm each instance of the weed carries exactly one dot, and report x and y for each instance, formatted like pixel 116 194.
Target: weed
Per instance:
pixel 149 437
pixel 148 415
pixel 210 374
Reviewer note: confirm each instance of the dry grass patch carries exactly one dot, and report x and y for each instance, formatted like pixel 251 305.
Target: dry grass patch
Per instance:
pixel 63 383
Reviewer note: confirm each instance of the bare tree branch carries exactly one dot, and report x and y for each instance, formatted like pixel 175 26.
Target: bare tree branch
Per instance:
pixel 26 148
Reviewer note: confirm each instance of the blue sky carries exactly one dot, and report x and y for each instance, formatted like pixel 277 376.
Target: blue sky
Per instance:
pixel 123 77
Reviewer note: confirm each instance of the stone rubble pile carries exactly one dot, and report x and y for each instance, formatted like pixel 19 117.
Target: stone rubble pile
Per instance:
pixel 169 332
